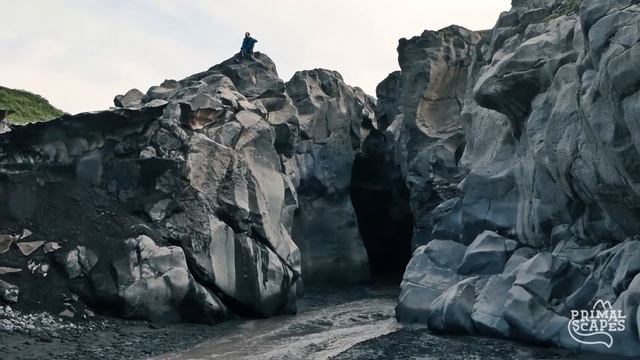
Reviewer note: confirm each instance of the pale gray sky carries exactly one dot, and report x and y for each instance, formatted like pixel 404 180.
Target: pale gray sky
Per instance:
pixel 80 53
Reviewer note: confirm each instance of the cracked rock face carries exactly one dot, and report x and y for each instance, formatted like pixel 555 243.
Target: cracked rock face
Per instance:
pixel 546 111
pixel 325 226
pixel 420 110
pixel 231 187
pixel 153 282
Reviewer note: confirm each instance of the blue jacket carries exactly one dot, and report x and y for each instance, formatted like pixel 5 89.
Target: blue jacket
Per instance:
pixel 247 44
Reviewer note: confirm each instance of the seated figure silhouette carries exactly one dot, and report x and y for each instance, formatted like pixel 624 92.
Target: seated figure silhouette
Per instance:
pixel 246 50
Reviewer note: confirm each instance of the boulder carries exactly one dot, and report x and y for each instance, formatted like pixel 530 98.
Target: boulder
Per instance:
pixel 614 270
pixel 79 262
pixel 488 310
pixel 451 311
pixel 159 210
pixel 259 280
pixel 192 154
pixel 447 220
pixel 252 78
pixel 431 271
pixel 132 99
pixel 487 254
pixel 51 246
pixel 325 226
pixel 626 342
pixel 530 319
pixel 164 91
pixel 628 268
pixel 8 292
pixel 548 277
pixel 519 257
pixel 541 284
pixel 154 283
pixel 5 242
pixel 29 247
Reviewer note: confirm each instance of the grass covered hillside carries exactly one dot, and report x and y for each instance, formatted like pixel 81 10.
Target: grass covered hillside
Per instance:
pixel 26 107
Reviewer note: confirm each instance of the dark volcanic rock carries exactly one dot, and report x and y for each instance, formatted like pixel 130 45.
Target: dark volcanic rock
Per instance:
pixel 431 271
pixel 132 99
pixel 425 124
pixel 325 227
pixel 9 293
pixel 208 177
pixel 487 254
pixel 151 282
pixel 451 311
pixel 535 123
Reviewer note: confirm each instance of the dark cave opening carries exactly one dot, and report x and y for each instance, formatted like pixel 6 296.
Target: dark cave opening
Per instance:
pixel 381 202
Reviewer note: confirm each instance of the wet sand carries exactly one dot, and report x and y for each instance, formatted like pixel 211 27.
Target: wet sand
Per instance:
pixel 346 324
pixel 354 324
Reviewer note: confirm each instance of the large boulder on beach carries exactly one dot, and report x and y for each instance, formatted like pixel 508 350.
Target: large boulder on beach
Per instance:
pixel 431 271
pixel 451 312
pixel 241 180
pixel 539 282
pixel 154 282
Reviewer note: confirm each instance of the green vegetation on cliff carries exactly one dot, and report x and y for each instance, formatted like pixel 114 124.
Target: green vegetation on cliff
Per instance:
pixel 26 107
pixel 569 7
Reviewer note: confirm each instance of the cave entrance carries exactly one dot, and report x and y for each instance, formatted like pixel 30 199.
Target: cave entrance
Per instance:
pixel 381 202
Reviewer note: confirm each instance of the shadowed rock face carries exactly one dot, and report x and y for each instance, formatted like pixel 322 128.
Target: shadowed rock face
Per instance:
pixel 381 201
pixel 325 227
pixel 547 112
pixel 419 111
pixel 187 196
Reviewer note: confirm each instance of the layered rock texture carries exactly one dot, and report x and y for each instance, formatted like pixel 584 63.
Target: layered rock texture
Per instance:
pixel 503 166
pixel 180 203
pixel 520 150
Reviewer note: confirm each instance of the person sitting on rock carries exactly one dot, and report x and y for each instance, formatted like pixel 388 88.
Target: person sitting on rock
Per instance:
pixel 247 46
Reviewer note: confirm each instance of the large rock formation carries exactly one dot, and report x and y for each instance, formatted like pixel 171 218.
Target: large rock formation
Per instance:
pixel 538 119
pixel 509 159
pixel 325 228
pixel 180 203
pixel 420 109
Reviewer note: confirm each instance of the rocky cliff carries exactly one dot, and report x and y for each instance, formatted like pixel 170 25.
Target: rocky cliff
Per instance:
pixel 520 149
pixel 506 160
pixel 180 203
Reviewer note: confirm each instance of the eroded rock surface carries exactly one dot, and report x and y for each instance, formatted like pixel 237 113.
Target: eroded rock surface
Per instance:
pixel 211 195
pixel 538 135
pixel 325 227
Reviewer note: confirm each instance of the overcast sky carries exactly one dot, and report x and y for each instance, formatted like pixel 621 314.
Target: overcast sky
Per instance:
pixel 80 53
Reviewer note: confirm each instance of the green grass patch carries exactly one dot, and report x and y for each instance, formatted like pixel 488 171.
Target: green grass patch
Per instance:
pixel 569 7
pixel 26 107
